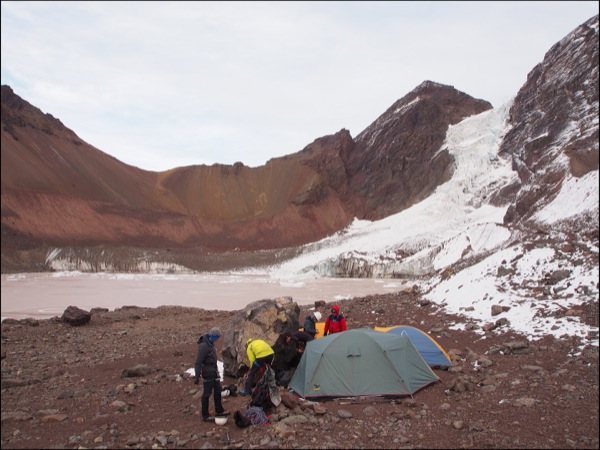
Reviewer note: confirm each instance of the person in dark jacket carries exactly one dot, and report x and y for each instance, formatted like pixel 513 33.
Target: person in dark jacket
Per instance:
pixel 206 368
pixel 297 340
pixel 300 338
pixel 336 322
pixel 310 326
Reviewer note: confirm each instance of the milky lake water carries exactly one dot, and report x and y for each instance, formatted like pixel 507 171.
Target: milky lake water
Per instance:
pixel 45 295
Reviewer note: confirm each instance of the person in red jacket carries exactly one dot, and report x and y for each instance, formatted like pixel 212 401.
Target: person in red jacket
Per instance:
pixel 335 323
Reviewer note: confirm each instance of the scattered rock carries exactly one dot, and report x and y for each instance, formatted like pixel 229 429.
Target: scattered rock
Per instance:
pixel 75 316
pixel 139 370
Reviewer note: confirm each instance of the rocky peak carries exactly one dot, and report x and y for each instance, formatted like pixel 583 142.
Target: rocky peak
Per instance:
pixel 396 161
pixel 327 156
pixel 18 113
pixel 554 121
pixel 427 85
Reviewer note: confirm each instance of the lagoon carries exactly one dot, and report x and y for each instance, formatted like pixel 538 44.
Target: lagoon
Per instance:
pixel 45 295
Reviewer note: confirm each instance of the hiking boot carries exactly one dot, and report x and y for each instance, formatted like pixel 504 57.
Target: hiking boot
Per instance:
pixel 223 413
pixel 209 419
pixel 244 392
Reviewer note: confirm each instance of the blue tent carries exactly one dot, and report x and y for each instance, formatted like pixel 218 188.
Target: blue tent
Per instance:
pixel 432 352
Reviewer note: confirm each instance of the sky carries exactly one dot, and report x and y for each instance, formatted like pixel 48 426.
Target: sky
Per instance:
pixel 160 85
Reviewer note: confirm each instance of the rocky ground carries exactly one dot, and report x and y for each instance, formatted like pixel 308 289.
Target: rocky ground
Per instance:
pixel 62 387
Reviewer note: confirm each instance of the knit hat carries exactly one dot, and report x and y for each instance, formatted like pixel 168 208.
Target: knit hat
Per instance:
pixel 215 331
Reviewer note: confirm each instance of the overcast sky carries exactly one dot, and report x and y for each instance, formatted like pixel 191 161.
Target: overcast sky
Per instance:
pixel 166 84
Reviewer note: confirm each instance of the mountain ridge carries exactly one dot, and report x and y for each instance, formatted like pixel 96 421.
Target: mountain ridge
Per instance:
pixel 188 213
pixel 319 190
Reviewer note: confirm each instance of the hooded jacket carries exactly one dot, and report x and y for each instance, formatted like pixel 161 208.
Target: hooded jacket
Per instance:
pixel 206 360
pixel 257 348
pixel 309 326
pixel 335 323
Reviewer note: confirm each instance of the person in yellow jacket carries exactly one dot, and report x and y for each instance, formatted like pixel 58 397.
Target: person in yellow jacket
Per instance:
pixel 260 354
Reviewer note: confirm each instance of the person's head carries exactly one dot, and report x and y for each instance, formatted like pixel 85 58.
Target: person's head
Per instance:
pixel 317 315
pixel 335 310
pixel 248 342
pixel 214 334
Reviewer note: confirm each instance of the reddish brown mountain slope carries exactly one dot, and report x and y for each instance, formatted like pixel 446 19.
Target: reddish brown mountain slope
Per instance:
pixel 58 191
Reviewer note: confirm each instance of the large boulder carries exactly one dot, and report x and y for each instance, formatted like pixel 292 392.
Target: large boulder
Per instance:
pixel 76 316
pixel 263 319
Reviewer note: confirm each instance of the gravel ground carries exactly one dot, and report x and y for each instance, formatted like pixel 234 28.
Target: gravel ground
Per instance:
pixel 62 387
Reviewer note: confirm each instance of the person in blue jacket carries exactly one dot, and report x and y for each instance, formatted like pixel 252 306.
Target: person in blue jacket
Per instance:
pixel 310 322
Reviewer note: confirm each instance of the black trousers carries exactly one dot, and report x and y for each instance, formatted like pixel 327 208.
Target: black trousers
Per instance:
pixel 258 363
pixel 211 387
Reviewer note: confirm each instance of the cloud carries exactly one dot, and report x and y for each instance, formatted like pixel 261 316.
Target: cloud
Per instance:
pixel 164 84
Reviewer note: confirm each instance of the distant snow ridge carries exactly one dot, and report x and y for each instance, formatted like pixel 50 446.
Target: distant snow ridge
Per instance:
pixel 436 232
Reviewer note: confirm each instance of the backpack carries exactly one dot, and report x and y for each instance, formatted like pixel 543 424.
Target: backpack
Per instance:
pixel 241 420
pixel 261 395
pixel 283 377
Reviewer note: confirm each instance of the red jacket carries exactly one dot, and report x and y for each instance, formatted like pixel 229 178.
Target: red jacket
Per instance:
pixel 335 324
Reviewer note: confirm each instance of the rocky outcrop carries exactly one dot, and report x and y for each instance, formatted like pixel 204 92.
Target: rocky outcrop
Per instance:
pixel 554 122
pixel 264 319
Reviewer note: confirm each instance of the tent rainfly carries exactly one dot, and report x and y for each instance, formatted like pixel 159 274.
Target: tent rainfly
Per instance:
pixel 361 362
pixel 430 350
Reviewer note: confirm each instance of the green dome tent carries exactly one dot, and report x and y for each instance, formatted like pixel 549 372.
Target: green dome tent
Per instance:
pixel 361 362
